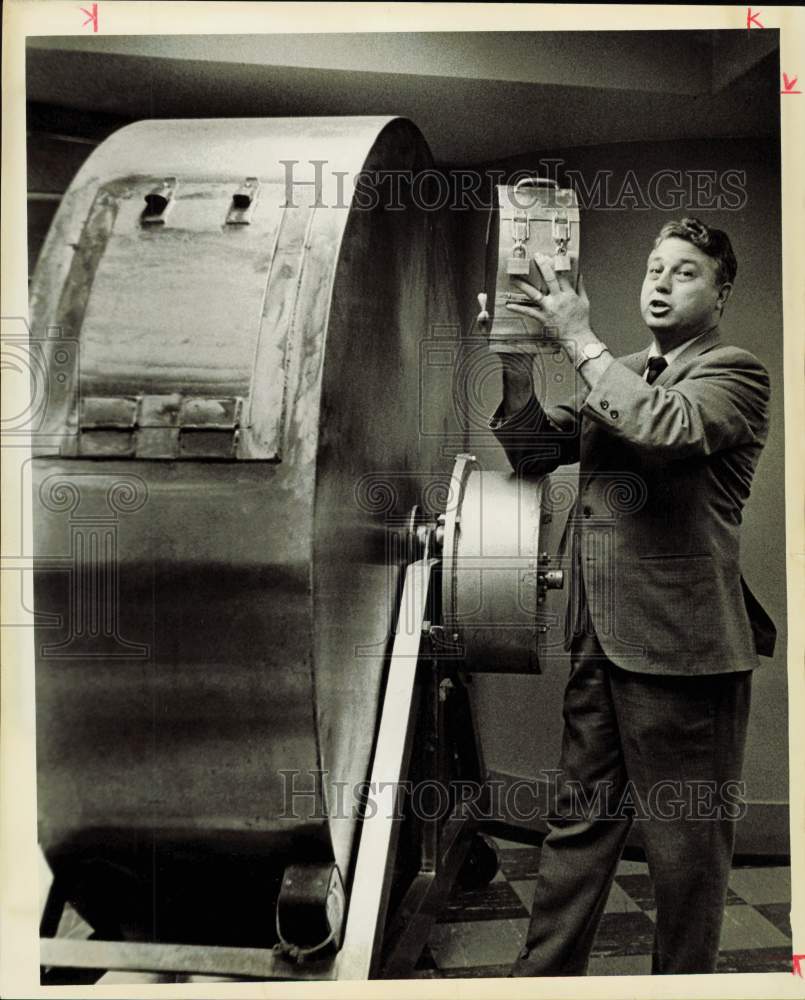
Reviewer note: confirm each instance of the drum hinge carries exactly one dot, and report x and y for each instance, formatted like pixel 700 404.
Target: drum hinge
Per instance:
pixel 167 426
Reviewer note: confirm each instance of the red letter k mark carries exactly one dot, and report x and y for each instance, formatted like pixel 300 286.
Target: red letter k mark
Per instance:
pixel 752 19
pixel 92 17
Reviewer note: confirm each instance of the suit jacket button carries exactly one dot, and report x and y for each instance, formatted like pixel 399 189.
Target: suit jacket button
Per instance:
pixel 614 414
pixel 604 404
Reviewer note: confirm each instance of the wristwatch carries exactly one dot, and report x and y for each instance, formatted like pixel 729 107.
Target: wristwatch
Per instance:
pixel 591 351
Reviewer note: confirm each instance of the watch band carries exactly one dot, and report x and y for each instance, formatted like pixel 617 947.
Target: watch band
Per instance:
pixel 590 352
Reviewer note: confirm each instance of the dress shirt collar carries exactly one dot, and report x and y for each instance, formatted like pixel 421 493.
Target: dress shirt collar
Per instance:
pixel 670 356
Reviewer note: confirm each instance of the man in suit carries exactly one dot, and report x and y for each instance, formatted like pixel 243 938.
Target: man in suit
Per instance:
pixel 662 647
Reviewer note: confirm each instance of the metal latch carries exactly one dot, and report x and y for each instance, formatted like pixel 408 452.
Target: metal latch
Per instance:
pixel 548 579
pixel 243 202
pixel 560 230
pixel 158 201
pixel 518 262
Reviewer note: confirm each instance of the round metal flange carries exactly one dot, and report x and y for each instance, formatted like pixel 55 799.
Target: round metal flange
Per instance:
pixel 492 572
pixel 464 466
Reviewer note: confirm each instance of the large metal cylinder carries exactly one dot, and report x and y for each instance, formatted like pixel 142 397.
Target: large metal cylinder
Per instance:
pixel 228 358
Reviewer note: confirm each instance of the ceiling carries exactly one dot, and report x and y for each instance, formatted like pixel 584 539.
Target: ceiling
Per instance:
pixel 477 96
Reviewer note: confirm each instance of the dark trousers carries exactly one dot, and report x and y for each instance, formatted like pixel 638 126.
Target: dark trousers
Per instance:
pixel 664 752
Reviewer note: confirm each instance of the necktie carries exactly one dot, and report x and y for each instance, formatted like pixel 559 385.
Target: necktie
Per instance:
pixel 655 366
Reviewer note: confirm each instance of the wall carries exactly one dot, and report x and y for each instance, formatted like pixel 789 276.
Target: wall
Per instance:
pixel 615 243
pixel 58 142
pixel 475 95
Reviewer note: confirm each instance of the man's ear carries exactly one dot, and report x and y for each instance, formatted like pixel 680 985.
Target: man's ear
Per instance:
pixel 723 294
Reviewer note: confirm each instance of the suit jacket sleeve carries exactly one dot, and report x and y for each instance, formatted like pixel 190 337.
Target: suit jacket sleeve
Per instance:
pixel 537 440
pixel 722 402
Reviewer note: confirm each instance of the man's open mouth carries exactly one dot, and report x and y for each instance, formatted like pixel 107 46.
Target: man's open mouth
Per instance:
pixel 658 308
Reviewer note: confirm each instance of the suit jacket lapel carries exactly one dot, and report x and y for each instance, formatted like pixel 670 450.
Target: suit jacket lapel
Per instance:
pixel 699 346
pixel 636 362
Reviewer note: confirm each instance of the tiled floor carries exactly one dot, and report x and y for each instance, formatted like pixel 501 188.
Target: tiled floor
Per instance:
pixel 481 931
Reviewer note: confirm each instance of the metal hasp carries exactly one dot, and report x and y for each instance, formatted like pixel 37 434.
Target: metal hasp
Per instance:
pixel 532 216
pixel 157 202
pixel 243 201
pixel 214 596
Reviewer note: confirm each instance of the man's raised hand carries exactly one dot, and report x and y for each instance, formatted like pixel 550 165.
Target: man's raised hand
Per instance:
pixel 563 309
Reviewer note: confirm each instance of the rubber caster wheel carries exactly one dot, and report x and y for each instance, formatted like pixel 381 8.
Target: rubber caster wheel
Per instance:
pixel 481 864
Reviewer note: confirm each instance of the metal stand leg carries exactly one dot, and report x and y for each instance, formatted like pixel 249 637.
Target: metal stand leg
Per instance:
pixel 52 911
pixel 449 737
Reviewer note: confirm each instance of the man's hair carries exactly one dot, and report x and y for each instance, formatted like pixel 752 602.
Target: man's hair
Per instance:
pixel 714 242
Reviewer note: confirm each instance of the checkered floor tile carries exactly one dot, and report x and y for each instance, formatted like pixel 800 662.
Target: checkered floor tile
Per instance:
pixel 481 931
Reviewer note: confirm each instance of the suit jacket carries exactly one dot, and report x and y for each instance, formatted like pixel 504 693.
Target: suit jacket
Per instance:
pixel 665 470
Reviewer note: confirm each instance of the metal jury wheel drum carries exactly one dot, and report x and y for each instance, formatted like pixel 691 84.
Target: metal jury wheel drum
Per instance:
pixel 232 356
pixel 495 577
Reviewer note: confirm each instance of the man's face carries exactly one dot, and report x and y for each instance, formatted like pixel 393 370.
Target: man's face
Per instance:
pixel 680 298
